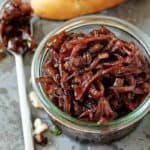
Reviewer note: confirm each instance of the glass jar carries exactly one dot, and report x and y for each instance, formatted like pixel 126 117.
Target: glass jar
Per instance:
pixel 75 127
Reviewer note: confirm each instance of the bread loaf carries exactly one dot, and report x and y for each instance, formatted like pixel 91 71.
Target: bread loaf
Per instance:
pixel 66 9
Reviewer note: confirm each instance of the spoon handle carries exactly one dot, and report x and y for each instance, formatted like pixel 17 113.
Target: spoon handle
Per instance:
pixel 24 105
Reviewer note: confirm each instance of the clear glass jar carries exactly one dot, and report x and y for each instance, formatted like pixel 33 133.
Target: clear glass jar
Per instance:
pixel 72 126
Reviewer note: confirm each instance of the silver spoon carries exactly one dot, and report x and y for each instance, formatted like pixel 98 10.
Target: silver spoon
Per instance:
pixel 23 100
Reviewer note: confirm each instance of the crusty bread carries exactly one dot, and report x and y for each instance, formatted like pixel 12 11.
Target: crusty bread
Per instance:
pixel 66 9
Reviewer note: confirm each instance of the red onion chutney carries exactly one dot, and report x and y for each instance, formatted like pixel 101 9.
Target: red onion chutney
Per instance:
pixel 95 77
pixel 15 26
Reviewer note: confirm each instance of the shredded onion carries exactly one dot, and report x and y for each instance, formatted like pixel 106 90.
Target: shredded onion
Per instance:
pixel 95 77
pixel 15 26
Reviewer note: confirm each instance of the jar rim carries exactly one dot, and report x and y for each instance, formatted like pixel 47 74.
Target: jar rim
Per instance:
pixel 38 58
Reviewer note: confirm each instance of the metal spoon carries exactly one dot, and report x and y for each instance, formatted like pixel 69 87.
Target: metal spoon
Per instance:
pixel 23 100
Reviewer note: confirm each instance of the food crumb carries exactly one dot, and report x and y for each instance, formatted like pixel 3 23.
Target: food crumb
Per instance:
pixel 34 100
pixel 40 128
